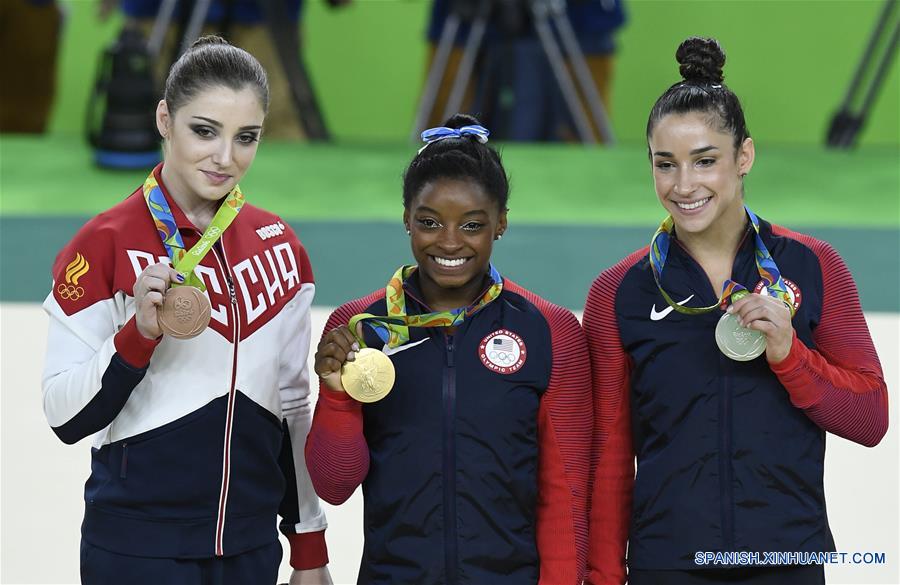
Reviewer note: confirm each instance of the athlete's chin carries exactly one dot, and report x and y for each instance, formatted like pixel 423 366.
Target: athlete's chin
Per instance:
pixel 214 192
pixel 693 224
pixel 451 281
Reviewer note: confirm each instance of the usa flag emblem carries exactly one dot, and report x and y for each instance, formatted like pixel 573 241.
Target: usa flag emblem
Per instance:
pixel 501 344
pixel 503 352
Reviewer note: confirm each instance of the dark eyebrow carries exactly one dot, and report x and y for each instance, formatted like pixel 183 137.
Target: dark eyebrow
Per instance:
pixel 426 209
pixel 695 151
pixel 218 124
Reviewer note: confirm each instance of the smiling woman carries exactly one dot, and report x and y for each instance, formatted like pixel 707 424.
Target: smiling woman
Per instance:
pixel 152 303
pixel 724 397
pixel 474 462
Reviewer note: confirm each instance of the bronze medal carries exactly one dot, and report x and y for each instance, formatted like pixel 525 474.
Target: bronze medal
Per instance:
pixel 185 312
pixel 369 377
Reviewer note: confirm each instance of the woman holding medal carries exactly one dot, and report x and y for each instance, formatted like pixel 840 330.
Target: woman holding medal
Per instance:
pixel 721 354
pixel 466 416
pixel 179 329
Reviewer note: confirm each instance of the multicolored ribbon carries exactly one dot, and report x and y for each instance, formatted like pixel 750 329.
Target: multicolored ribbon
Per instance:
pixel 479 133
pixel 185 261
pixel 393 329
pixel 731 290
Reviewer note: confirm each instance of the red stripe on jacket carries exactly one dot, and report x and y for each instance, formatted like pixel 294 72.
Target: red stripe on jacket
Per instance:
pixel 612 453
pixel 839 385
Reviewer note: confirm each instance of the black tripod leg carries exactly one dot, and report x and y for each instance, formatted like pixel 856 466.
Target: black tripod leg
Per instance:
pixel 435 74
pixel 466 64
pixel 583 75
pixel 195 24
pixel 845 124
pixel 284 34
pixel 881 72
pixel 558 65
pixel 160 27
pixel 882 21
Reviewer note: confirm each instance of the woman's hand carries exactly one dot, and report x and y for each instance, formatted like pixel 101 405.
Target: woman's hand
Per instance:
pixel 149 289
pixel 337 347
pixel 769 315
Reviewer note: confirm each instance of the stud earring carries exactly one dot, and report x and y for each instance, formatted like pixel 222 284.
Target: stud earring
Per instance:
pixel 499 236
pixel 408 233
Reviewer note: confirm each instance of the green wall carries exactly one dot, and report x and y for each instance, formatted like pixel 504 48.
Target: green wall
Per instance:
pixel 789 60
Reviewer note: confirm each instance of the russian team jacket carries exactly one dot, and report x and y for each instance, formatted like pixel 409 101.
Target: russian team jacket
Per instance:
pixel 197 444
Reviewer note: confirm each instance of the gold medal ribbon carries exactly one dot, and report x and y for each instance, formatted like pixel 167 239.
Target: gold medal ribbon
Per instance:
pixel 393 328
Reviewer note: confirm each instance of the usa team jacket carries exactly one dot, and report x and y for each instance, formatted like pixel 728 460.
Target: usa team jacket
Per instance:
pixel 197 444
pixel 729 454
pixel 475 467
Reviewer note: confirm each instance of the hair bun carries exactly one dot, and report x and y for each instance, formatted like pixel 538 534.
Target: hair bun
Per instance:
pixel 701 60
pixel 209 40
pixel 459 120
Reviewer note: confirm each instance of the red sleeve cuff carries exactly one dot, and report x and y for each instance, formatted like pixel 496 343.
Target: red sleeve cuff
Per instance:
pixel 134 348
pixel 792 375
pixel 308 550
pixel 336 399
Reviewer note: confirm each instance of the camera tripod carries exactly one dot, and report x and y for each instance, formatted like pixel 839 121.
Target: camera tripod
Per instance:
pixel 846 124
pixel 287 45
pixel 545 14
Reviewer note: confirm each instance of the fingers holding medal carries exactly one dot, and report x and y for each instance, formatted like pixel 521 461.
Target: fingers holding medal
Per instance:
pixel 337 347
pixel 770 316
pixel 149 290
pixel 366 374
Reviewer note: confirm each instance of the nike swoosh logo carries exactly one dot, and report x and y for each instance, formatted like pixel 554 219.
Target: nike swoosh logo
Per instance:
pixel 392 350
pixel 658 315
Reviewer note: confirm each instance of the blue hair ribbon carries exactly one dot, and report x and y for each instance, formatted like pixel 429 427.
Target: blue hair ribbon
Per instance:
pixel 479 133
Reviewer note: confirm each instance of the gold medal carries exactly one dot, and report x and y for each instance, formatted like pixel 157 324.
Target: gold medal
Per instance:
pixel 185 312
pixel 739 343
pixel 369 377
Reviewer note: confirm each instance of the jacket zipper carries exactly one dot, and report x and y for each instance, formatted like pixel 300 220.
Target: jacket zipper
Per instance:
pixel 726 472
pixel 449 400
pixel 123 468
pixel 229 417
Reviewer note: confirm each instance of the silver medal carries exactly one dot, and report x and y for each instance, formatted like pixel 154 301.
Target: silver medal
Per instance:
pixel 739 343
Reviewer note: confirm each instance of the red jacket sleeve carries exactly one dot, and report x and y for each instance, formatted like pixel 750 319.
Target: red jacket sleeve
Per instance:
pixel 337 455
pixel 564 430
pixel 565 421
pixel 612 453
pixel 839 385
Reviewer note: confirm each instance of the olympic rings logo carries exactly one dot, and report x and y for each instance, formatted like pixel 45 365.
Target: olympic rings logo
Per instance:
pixel 70 292
pixel 502 356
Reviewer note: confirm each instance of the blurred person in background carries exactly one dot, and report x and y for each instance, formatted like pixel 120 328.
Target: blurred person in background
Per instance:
pixel 29 41
pixel 179 331
pixel 243 23
pixel 474 466
pixel 513 84
pixel 722 355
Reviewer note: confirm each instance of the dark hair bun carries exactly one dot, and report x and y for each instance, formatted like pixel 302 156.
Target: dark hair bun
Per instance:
pixel 701 60
pixel 459 120
pixel 209 40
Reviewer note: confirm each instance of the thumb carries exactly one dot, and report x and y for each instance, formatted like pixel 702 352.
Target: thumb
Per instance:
pixel 333 381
